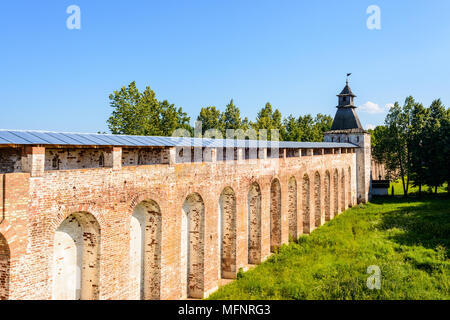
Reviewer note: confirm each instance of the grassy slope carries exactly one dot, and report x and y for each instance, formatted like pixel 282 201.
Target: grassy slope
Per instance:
pixel 409 241
pixel 398 188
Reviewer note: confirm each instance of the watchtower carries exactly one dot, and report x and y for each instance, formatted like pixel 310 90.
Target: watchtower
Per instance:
pixel 346 127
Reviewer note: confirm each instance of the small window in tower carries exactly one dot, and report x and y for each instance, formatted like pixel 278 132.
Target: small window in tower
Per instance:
pixel 357 139
pixel 55 162
pixel 101 160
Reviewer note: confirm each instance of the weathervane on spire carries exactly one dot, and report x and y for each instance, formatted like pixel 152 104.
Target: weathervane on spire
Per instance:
pixel 348 75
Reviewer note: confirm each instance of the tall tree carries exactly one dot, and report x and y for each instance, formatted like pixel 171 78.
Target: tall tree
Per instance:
pixel 396 141
pixel 306 124
pixel 269 120
pixel 232 116
pixel 137 113
pixel 417 145
pixel 306 128
pixel 292 131
pixel 446 149
pixel 322 124
pixel 212 118
pixel 436 138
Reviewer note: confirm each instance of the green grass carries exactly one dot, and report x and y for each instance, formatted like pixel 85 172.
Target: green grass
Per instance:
pixel 398 188
pixel 408 239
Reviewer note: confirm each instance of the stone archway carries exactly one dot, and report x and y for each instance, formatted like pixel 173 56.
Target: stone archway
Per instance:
pixel 76 258
pixel 336 192
pixel 349 191
pixel 254 224
pixel 317 200
pixel 342 191
pixel 327 190
pixel 145 251
pixel 275 215
pixel 5 257
pixel 192 246
pixel 292 208
pixel 307 228
pixel 227 233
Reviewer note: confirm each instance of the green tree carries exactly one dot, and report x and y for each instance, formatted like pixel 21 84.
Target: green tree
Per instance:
pixel 292 130
pixel 377 139
pixel 436 137
pixel 269 120
pixel 395 143
pixel 322 124
pixel 306 124
pixel 212 118
pixel 446 150
pixel 137 113
pixel 417 146
pixel 172 119
pixel 232 118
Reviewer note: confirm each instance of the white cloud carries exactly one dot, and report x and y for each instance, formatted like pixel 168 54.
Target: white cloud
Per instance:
pixel 373 108
pixel 370 126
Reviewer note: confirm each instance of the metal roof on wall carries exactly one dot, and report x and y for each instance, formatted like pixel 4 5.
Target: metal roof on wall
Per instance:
pixel 29 137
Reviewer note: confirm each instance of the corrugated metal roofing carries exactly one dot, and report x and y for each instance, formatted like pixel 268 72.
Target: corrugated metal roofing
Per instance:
pixel 28 137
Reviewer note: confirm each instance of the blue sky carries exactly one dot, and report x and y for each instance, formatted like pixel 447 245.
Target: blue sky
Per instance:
pixel 294 54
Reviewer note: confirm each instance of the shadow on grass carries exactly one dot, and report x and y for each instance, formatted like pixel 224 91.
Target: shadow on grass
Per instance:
pixel 425 221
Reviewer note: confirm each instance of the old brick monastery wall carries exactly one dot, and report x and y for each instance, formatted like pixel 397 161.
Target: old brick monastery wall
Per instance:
pixel 149 230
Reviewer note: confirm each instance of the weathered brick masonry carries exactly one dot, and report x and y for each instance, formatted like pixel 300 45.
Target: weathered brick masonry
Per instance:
pixel 152 221
pixel 198 221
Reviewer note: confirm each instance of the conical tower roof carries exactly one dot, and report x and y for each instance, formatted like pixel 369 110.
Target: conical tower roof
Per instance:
pixel 346 91
pixel 346 118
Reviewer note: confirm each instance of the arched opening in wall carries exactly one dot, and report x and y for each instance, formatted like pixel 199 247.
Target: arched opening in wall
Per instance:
pixel 336 192
pixel 254 224
pixel 317 200
pixel 349 191
pixel 5 257
pixel 275 215
pixel 342 191
pixel 292 208
pixel 76 258
pixel 306 204
pixel 227 234
pixel 145 251
pixel 327 190
pixel 192 246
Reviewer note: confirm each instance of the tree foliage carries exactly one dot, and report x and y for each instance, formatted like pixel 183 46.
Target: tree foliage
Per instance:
pixel 140 113
pixel 414 143
pixel 269 120
pixel 306 128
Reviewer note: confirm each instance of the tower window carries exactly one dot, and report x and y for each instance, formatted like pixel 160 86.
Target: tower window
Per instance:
pixel 140 159
pixel 101 161
pixel 55 162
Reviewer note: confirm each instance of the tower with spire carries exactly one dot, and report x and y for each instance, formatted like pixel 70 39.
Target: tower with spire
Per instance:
pixel 346 127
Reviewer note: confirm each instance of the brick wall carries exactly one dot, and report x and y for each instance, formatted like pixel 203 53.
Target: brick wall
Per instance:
pixel 35 207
